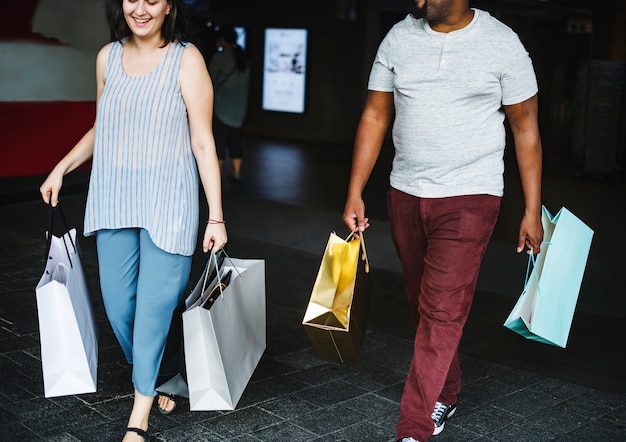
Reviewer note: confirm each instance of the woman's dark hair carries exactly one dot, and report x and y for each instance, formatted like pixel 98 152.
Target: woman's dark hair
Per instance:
pixel 229 35
pixel 175 26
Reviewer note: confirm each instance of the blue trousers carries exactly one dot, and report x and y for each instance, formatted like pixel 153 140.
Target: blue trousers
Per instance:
pixel 141 286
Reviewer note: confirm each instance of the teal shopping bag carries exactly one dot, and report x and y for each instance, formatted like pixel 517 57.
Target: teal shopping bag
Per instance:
pixel 545 309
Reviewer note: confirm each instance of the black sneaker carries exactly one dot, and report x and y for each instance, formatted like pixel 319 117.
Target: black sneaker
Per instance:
pixel 440 415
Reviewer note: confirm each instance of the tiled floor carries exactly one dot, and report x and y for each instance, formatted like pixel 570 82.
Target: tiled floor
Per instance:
pixel 514 390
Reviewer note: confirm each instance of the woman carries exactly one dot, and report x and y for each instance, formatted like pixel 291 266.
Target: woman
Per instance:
pixel 151 139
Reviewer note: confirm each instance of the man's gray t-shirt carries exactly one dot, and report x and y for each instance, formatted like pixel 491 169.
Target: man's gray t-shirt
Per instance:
pixel 449 89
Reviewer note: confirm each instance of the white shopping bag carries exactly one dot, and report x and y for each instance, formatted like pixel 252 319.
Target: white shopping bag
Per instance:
pixel 69 347
pixel 224 344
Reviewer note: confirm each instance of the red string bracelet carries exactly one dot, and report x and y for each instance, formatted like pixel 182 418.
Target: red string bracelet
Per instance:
pixel 215 221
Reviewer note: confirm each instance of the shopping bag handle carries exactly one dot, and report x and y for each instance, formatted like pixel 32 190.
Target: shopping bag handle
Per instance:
pixel 213 257
pixel 353 235
pixel 221 286
pixel 53 212
pixel 531 259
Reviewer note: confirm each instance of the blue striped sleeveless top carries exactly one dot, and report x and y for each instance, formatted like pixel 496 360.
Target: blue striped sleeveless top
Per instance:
pixel 144 173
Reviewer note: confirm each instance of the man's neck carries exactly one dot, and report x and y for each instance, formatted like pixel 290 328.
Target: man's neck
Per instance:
pixel 454 22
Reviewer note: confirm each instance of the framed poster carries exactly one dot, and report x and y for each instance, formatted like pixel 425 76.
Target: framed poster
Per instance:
pixel 284 70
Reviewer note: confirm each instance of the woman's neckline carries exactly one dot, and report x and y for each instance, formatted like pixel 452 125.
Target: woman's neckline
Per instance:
pixel 156 66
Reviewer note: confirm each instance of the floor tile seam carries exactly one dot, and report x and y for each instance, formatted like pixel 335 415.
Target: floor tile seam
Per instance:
pixel 177 423
pixel 485 433
pixel 305 385
pixel 335 405
pixel 107 418
pixel 248 431
pixel 308 384
pixel 34 335
pixel 485 378
pixel 501 430
pixel 536 388
pixel 34 433
pixel 18 364
pixel 535 411
pixel 379 397
pixel 6 290
pixel 533 418
pixel 380 387
pixel 10 332
pixel 11 275
pixel 595 419
pixel 287 308
pixel 158 432
pixel 340 404
pixel 270 378
pixel 492 403
pixel 453 423
pixel 484 408
pixel 106 401
pixel 313 387
pixel 355 425
pixel 311 405
pixel 587 416
pixel 493 380
pixel 300 370
pixel 289 421
pixel 342 380
pixel 67 430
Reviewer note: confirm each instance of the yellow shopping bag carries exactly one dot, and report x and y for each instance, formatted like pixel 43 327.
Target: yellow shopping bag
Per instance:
pixel 336 316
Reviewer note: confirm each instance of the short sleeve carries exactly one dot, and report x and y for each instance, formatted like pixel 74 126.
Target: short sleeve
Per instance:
pixel 381 75
pixel 518 81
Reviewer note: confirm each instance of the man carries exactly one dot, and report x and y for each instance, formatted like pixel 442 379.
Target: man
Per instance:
pixel 447 81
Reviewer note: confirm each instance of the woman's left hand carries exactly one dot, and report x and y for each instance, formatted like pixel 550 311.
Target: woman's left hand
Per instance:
pixel 214 237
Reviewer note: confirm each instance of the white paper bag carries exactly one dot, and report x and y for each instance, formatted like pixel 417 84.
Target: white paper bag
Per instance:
pixel 223 345
pixel 69 347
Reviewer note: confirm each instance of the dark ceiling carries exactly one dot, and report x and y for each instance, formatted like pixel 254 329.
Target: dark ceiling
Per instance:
pixel 541 9
pixel 544 9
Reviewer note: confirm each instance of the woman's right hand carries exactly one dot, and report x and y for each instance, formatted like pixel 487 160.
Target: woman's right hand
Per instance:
pixel 51 187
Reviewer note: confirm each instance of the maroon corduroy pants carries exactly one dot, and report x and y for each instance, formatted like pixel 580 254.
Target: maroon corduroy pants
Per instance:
pixel 440 243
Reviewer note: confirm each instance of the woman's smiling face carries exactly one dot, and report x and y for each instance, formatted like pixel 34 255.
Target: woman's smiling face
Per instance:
pixel 145 17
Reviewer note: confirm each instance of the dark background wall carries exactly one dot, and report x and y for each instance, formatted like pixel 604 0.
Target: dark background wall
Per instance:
pixel 344 35
pixel 335 69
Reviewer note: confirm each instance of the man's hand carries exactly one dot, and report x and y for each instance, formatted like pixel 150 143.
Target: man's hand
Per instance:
pixel 354 215
pixel 530 234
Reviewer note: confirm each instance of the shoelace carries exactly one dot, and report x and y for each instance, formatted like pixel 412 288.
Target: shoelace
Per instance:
pixel 440 409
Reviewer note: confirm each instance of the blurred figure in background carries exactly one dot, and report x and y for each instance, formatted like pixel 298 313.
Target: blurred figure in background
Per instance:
pixel 230 72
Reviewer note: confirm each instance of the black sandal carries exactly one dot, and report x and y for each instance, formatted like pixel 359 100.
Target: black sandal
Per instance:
pixel 139 431
pixel 172 398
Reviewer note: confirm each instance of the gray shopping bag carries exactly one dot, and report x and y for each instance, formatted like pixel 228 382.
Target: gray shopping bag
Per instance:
pixel 225 338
